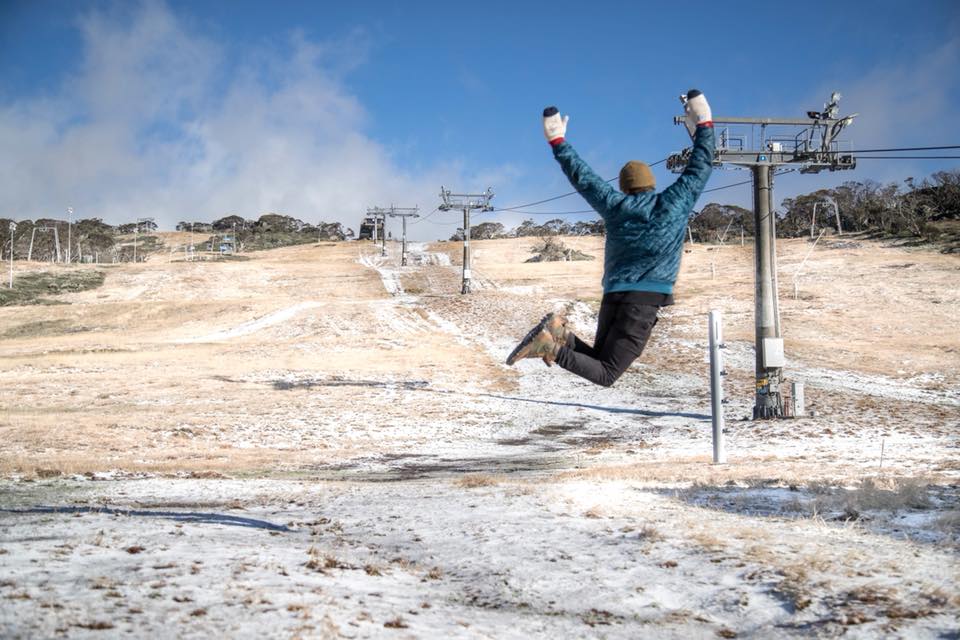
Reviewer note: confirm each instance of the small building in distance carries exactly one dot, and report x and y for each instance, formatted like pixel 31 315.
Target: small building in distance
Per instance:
pixel 371 228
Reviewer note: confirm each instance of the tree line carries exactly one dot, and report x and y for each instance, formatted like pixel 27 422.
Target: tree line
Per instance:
pixel 924 211
pixel 91 239
pixel 554 227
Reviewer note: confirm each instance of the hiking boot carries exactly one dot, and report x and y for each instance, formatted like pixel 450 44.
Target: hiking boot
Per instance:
pixel 542 341
pixel 556 324
pixel 539 345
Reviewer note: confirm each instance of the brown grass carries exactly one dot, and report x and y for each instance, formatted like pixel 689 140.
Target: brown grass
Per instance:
pixel 794 586
pixel 872 494
pixel 594 512
pixel 949 522
pixel 475 480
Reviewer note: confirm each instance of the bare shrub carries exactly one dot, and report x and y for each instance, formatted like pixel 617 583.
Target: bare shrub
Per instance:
pixel 552 249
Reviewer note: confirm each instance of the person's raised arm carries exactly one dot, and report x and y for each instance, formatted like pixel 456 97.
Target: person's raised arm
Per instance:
pixel 594 189
pixel 699 123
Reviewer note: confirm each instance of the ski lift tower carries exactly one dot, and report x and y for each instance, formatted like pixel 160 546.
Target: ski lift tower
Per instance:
pixel 136 234
pixel 56 240
pixel 379 216
pixel 467 202
pixel 403 213
pixel 762 145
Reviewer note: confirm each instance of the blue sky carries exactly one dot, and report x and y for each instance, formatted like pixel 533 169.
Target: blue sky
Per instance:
pixel 192 110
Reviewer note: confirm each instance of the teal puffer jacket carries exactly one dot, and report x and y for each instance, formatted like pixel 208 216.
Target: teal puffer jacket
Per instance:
pixel 645 231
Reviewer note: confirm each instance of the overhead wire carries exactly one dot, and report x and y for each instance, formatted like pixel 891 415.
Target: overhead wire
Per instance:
pixel 909 158
pixel 891 150
pixel 423 218
pixel 563 195
pixel 520 208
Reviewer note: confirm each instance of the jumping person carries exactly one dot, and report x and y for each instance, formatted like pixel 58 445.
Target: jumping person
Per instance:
pixel 645 232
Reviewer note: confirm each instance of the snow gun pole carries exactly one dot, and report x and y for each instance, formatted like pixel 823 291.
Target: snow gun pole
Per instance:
pixel 716 386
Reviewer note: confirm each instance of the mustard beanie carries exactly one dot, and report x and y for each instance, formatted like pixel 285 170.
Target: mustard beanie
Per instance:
pixel 636 176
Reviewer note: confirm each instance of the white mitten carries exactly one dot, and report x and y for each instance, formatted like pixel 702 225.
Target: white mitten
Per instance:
pixel 554 127
pixel 697 110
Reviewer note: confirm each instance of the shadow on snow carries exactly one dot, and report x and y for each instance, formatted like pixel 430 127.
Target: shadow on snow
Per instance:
pixel 190 517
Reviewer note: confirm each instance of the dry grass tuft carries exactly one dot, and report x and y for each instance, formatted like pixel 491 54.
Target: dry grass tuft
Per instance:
pixel 871 594
pixel 319 561
pixel 649 533
pixel 870 494
pixel 396 623
pixel 794 586
pixel 474 480
pixel 708 541
pixel 949 522
pixel 594 512
pixel 890 494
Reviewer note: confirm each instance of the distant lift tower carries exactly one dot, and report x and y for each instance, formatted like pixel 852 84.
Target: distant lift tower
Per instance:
pixel 762 145
pixel 56 240
pixel 403 213
pixel 136 235
pixel 379 216
pixel 467 202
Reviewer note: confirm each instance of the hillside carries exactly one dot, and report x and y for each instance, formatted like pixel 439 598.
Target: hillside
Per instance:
pixel 316 441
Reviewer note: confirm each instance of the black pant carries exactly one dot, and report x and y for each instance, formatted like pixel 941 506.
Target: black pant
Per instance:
pixel 623 327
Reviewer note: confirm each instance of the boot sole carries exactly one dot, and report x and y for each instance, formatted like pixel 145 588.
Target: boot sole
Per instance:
pixel 520 351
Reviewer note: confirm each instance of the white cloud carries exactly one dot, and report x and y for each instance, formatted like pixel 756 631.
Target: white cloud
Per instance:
pixel 159 121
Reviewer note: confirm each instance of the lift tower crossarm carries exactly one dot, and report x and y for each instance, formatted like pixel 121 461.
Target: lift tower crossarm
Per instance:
pixel 793 122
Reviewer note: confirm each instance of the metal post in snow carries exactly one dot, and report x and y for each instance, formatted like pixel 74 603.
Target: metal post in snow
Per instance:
pixel 716 386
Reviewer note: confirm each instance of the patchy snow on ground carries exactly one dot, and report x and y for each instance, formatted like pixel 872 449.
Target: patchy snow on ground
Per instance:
pixel 479 556
pixel 412 497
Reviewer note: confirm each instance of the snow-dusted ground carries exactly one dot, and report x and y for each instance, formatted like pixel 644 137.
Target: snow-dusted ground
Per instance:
pixel 476 557
pixel 550 508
